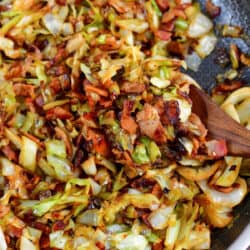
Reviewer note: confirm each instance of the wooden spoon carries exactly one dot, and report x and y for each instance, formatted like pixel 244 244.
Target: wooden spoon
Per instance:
pixel 219 124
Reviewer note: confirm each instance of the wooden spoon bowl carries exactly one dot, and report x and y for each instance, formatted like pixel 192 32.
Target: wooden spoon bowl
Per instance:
pixel 219 124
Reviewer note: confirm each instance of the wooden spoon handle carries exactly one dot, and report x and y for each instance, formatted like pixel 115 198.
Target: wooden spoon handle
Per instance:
pixel 219 124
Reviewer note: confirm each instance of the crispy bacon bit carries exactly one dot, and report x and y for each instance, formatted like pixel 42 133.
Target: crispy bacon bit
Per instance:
pixel 150 125
pixel 212 10
pixel 61 2
pixel 79 157
pixel 60 56
pixel 110 44
pixel 14 231
pixel 144 217
pixel 44 242
pixel 42 227
pixel 25 90
pixel 61 70
pixel 105 103
pixel 216 148
pixel 196 145
pixel 167 26
pixel 99 91
pixel 32 183
pixel 132 87
pixel 171 112
pixel 34 139
pixel 9 152
pixel 143 184
pixel 158 246
pixel 127 121
pixel 99 142
pixel 100 245
pixel 170 15
pixel 55 86
pixel 120 6
pixel 16 70
pixel 157 190
pixel 163 35
pixel 30 104
pixel 128 159
pixel 58 112
pixel 163 4
pixel 225 87
pixel 58 225
pixel 175 150
pixel 61 134
pixel 177 49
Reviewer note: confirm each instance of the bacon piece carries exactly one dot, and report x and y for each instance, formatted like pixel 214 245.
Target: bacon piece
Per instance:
pixel 58 112
pixel 150 125
pixel 143 184
pixel 32 183
pixel 158 246
pixel 16 70
pixel 175 149
pixel 44 242
pixel 120 6
pixel 30 104
pixel 42 227
pixel 132 87
pixel 9 152
pixel 60 56
pixel 144 217
pixel 196 145
pixel 100 92
pixel 157 190
pixel 105 103
pixel 163 35
pixel 61 2
pixel 25 90
pixel 172 14
pixel 110 44
pixel 171 112
pixel 127 121
pixel 163 4
pixel 216 148
pixel 167 26
pixel 177 49
pixel 100 245
pixel 34 139
pixel 79 157
pixel 55 86
pixel 212 10
pixel 14 231
pixel 99 142
pixel 58 225
pixel 224 87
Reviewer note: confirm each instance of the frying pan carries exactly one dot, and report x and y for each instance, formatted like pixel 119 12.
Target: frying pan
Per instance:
pixel 235 12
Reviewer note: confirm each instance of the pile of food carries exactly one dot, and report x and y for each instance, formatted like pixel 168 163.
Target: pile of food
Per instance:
pixel 99 148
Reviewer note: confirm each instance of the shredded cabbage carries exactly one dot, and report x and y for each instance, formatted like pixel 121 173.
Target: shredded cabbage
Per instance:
pixel 99 146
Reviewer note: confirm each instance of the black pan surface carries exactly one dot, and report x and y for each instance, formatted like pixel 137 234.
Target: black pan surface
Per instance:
pixel 235 12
